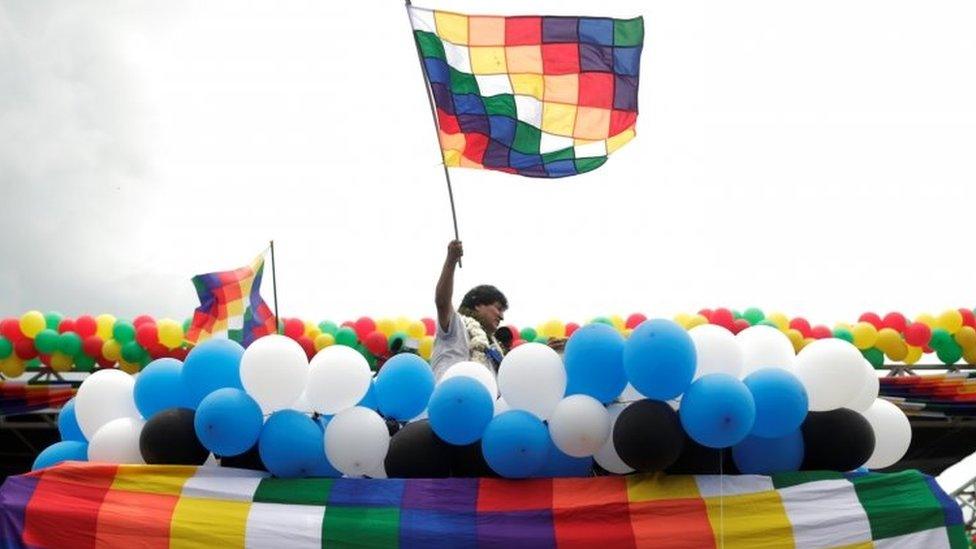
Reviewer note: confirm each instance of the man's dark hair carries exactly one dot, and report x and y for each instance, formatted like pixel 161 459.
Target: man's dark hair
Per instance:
pixel 484 294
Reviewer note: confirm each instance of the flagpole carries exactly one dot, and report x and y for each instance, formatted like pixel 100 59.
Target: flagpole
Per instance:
pixel 433 114
pixel 274 290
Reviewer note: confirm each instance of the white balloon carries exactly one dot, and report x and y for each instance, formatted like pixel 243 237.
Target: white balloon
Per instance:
pixel 607 456
pixel 117 442
pixel 501 406
pixel 475 370
pixel 869 390
pixel 338 379
pixel 832 372
pixel 892 433
pixel 532 378
pixel 717 351
pixel 102 397
pixel 273 371
pixel 356 441
pixel 765 347
pixel 630 394
pixel 579 425
pixel 301 404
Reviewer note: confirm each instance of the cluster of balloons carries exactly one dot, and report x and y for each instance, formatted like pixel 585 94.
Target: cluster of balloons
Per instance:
pixel 650 402
pixel 376 340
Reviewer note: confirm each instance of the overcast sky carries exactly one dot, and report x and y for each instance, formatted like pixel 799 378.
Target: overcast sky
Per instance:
pixel 809 157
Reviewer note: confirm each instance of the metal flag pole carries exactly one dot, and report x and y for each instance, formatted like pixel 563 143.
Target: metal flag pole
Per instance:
pixel 433 114
pixel 274 290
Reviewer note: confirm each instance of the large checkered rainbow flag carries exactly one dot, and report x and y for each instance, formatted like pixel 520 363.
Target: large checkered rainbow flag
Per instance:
pixel 77 505
pixel 231 305
pixel 536 96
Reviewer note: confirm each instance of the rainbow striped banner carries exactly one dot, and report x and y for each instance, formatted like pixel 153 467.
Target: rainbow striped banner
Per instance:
pixel 76 505
pixel 17 397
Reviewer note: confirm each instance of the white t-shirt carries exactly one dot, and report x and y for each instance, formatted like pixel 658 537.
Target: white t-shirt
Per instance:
pixel 450 347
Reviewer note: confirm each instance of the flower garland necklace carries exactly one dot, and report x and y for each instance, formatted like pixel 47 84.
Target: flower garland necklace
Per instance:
pixel 482 345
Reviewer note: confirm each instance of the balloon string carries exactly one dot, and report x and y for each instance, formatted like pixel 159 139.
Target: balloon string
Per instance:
pixel 721 501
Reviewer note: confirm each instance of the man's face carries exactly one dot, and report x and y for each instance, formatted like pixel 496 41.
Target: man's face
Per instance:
pixel 490 316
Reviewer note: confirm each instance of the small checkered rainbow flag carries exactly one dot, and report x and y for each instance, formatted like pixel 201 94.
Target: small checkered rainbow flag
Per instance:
pixel 231 305
pixel 536 96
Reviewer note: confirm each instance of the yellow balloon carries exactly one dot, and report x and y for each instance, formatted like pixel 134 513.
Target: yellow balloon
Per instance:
pixel 552 328
pixel 402 324
pixel 950 321
pixel 889 339
pixel 61 362
pixel 386 326
pixel 323 341
pixel 111 350
pixel 898 351
pixel 966 337
pixel 417 330
pixel 914 354
pixel 780 320
pixel 683 320
pixel 618 322
pixel 311 330
pixel 865 335
pixel 926 319
pixel 696 320
pixel 806 342
pixel 128 367
pixel 13 366
pixel 426 347
pixel 969 355
pixel 104 324
pixel 796 338
pixel 170 333
pixel 31 323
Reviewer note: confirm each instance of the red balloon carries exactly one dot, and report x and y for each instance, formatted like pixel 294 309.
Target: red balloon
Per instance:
pixel 801 325
pixel 377 343
pixel 45 360
pixel 142 319
pixel 707 313
pixel 104 363
pixel 820 332
pixel 872 318
pixel 157 350
pixel 722 317
pixel 634 320
pixel 24 349
pixel 517 342
pixel 968 318
pixel 66 325
pixel 364 327
pixel 307 345
pixel 896 321
pixel 294 328
pixel 10 329
pixel 918 334
pixel 85 326
pixel 429 325
pixel 740 324
pixel 92 346
pixel 570 328
pixel 147 335
pixel 178 353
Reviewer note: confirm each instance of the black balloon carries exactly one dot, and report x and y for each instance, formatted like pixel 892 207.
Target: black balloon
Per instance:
pixel 168 438
pixel 648 435
pixel 416 452
pixel 250 459
pixel 838 440
pixel 696 459
pixel 469 462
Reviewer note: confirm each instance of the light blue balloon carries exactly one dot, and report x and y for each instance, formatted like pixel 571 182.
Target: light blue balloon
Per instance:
pixel 765 456
pixel 781 402
pixel 228 422
pixel 515 444
pixel 211 365
pixel 717 411
pixel 460 410
pixel 323 467
pixel 594 360
pixel 68 423
pixel 66 450
pixel 159 386
pixel 404 386
pixel 660 359
pixel 369 399
pixel 291 445
pixel 560 465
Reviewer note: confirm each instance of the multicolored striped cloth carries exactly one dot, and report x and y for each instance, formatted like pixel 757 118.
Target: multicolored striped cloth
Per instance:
pixel 76 505
pixel 231 305
pixel 941 395
pixel 17 397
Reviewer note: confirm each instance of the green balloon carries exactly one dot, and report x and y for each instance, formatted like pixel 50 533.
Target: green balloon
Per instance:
pixel 874 356
pixel 601 320
pixel 941 338
pixel 370 359
pixel 69 343
pixel 6 348
pixel 123 331
pixel 402 336
pixel 346 336
pixel 844 333
pixel 84 363
pixel 949 353
pixel 53 320
pixel 186 325
pixel 132 352
pixel 328 327
pixel 754 315
pixel 528 334
pixel 34 365
pixel 46 341
pixel 542 339
pixel 765 322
